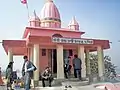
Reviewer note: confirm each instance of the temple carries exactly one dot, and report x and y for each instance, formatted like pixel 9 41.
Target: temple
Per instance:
pixel 46 43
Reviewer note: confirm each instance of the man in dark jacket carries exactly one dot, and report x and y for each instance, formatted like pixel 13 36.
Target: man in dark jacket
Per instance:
pixel 27 71
pixel 9 74
pixel 77 66
pixel 46 75
pixel 67 66
pixel 9 77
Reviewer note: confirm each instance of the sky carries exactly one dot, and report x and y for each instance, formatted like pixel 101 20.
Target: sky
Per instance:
pixel 98 18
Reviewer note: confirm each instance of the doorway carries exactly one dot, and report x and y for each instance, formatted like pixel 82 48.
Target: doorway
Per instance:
pixel 54 59
pixel 54 62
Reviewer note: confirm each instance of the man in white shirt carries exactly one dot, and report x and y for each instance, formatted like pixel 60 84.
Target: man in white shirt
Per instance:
pixel 27 72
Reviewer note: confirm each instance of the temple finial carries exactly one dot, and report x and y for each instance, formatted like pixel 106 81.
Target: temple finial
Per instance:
pixel 73 18
pixel 35 13
pixel 49 0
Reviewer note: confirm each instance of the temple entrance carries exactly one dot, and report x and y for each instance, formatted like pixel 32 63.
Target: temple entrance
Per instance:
pixel 54 59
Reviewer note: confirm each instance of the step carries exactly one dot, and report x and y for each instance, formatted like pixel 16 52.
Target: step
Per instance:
pixel 75 83
pixel 55 82
pixel 63 82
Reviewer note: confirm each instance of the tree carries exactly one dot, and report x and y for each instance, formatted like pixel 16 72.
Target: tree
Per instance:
pixel 110 69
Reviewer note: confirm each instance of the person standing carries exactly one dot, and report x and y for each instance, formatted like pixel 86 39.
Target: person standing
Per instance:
pixel 66 66
pixel 77 66
pixel 27 71
pixel 11 65
pixel 9 77
pixel 1 81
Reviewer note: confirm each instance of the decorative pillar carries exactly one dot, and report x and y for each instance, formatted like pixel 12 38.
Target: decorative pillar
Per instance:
pixel 88 72
pixel 28 52
pixel 49 58
pixel 36 63
pixel 60 68
pixel 100 63
pixel 88 69
pixel 52 60
pixel 82 57
pixel 10 55
pixel 31 54
pixel 31 59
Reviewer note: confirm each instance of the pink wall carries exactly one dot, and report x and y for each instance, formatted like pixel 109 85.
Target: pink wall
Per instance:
pixel 43 60
pixel 46 32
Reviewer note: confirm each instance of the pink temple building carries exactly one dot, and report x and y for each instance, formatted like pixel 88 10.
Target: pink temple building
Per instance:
pixel 46 43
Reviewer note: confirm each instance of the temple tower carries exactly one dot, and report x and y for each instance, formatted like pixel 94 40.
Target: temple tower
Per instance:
pixel 73 25
pixel 34 20
pixel 50 16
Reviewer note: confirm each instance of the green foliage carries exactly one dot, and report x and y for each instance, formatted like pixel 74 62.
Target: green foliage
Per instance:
pixel 94 64
pixel 110 69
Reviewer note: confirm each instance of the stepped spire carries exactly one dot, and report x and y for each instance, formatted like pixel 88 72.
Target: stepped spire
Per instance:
pixel 73 24
pixel 50 16
pixel 34 20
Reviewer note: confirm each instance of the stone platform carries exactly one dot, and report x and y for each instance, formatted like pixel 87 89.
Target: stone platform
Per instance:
pixel 89 87
pixel 67 82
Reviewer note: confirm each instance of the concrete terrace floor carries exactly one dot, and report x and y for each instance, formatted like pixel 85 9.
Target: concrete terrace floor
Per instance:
pixel 88 87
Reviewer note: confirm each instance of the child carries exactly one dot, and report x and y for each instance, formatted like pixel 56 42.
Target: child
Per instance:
pixel 16 85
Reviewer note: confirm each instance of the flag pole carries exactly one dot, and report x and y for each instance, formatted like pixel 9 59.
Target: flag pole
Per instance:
pixel 26 3
pixel 27 10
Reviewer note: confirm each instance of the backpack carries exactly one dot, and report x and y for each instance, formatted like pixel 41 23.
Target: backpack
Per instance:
pixel 31 72
pixel 34 67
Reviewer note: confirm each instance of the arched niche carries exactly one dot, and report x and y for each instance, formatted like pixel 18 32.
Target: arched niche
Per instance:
pixel 57 35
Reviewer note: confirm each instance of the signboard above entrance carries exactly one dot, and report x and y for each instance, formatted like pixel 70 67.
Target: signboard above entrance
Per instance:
pixel 71 40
